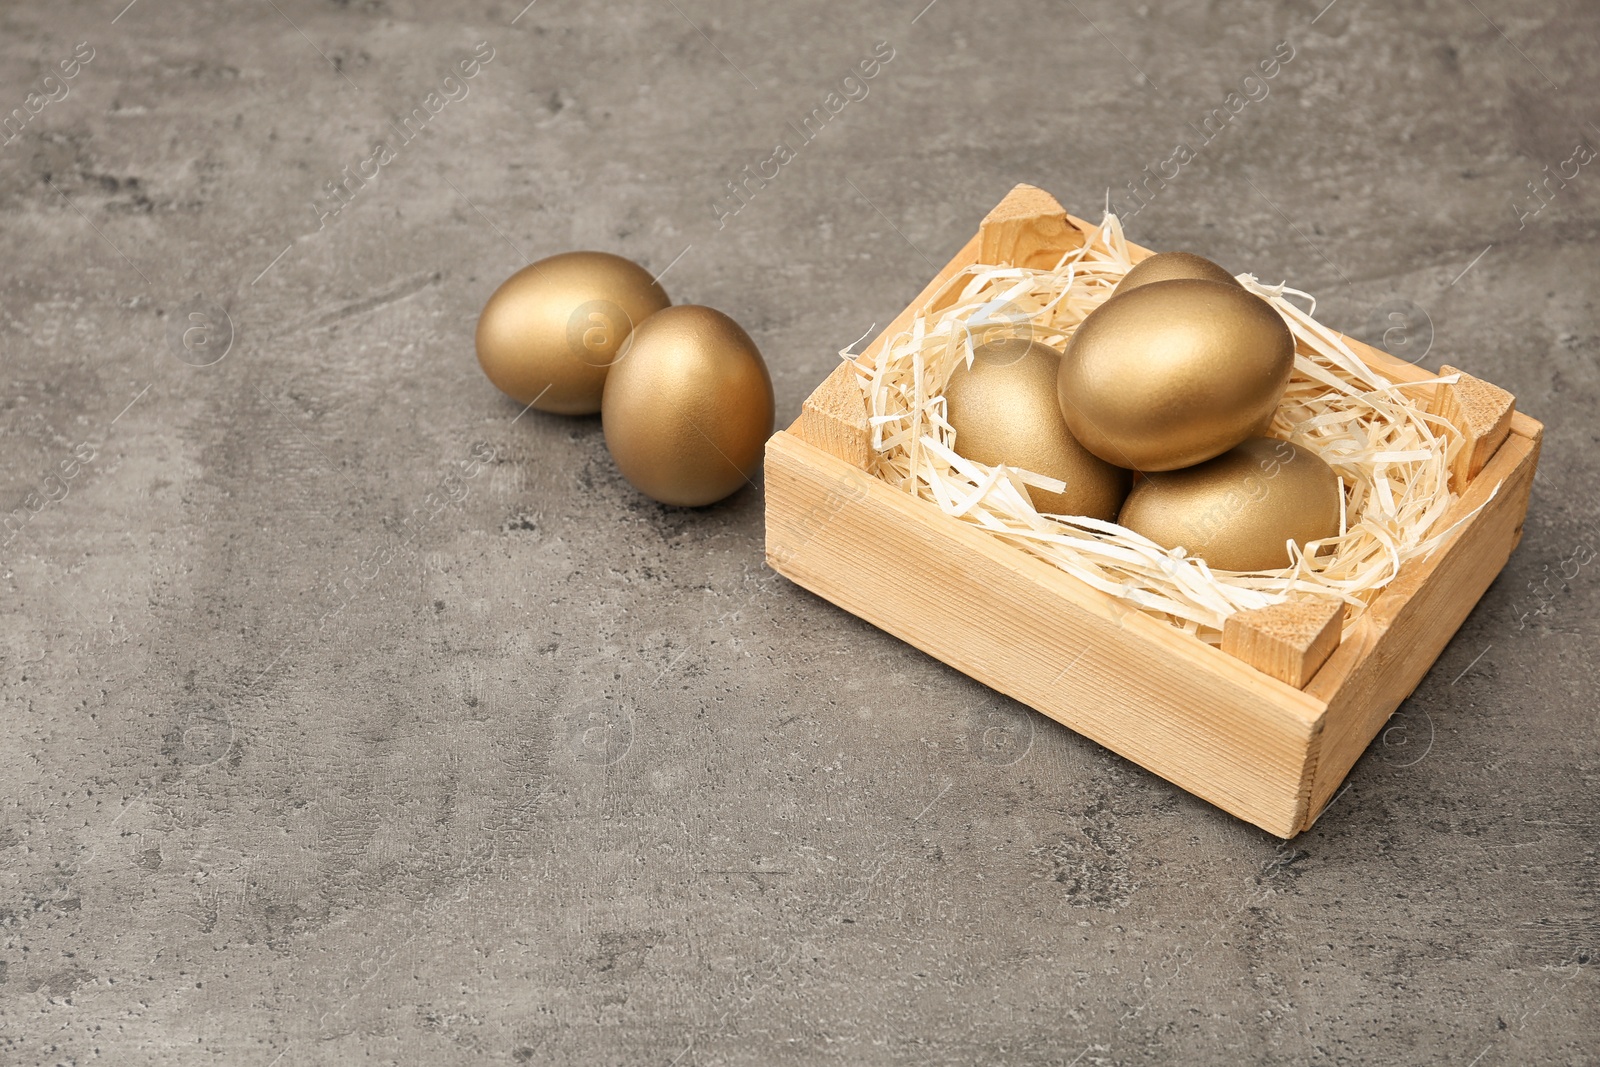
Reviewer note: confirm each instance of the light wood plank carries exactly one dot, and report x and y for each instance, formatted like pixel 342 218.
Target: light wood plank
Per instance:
pixel 1482 412
pixel 1248 742
pixel 1289 641
pixel 1029 228
pixel 1187 711
pixel 834 417
pixel 1397 640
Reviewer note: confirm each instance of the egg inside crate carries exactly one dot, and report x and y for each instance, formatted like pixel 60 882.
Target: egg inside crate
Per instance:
pixel 1239 510
pixel 1173 373
pixel 1003 409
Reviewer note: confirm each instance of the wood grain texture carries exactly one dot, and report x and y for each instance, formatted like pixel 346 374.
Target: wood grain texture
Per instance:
pixel 1482 412
pixel 1185 710
pixel 1397 640
pixel 834 417
pixel 1289 641
pixel 1238 736
pixel 1029 228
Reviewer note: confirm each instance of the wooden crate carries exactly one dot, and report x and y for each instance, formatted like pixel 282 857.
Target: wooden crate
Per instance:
pixel 1266 726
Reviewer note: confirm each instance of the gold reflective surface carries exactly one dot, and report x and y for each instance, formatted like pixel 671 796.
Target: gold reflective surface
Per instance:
pixel 1237 511
pixel 1167 266
pixel 1173 373
pixel 688 408
pixel 1004 411
pixel 549 334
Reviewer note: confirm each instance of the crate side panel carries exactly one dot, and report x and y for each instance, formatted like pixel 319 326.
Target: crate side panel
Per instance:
pixel 1410 626
pixel 994 613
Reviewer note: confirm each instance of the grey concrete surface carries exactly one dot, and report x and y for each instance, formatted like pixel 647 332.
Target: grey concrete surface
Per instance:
pixel 350 718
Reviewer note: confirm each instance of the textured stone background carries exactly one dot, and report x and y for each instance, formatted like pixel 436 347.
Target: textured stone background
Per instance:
pixel 318 750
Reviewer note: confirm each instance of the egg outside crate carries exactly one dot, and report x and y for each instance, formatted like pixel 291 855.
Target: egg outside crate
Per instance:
pixel 852 88
pixel 343 190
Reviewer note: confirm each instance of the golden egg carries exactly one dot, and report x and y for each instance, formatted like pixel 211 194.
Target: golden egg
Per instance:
pixel 688 408
pixel 549 334
pixel 1238 511
pixel 1174 372
pixel 1166 266
pixel 1004 411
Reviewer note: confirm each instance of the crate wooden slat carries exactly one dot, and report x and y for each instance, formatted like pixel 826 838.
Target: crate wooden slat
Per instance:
pixel 1243 738
pixel 1483 411
pixel 1289 641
